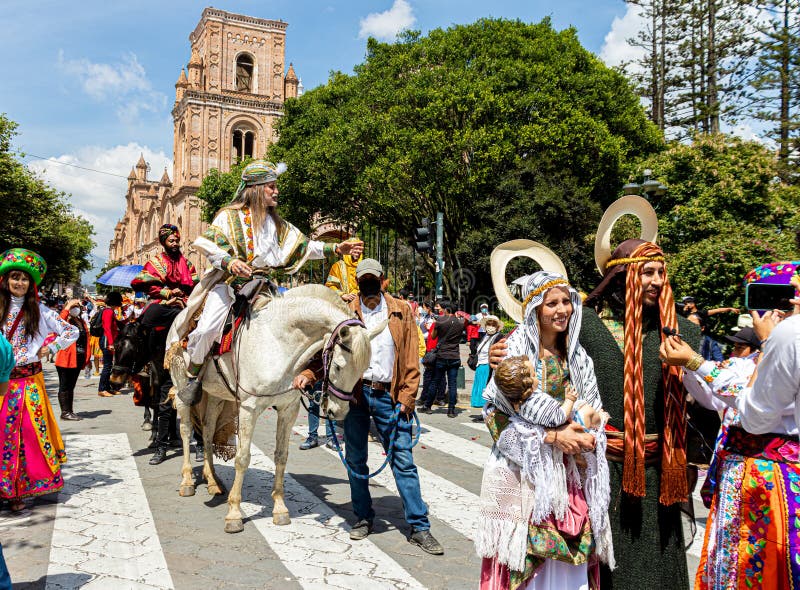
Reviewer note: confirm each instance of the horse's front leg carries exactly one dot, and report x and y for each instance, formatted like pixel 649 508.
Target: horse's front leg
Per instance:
pixel 213 409
pixel 287 415
pixel 247 421
pixel 187 476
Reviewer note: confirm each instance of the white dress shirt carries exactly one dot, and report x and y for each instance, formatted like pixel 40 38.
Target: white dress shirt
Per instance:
pixel 381 364
pixel 771 404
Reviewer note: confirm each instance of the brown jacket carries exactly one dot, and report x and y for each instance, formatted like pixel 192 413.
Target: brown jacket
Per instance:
pixel 403 328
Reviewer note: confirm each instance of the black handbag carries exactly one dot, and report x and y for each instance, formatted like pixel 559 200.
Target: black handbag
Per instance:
pixel 429 360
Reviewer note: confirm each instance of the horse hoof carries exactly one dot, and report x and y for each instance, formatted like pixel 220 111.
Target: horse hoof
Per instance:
pixel 147 426
pixel 214 491
pixel 234 526
pixel 186 491
pixel 281 519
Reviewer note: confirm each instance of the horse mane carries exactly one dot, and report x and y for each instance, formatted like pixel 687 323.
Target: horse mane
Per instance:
pixel 320 292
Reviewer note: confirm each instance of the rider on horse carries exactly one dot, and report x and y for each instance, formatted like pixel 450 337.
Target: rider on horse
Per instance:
pixel 168 279
pixel 246 234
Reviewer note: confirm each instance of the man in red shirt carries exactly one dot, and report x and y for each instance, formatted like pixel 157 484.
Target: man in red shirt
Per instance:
pixel 168 277
pixel 110 332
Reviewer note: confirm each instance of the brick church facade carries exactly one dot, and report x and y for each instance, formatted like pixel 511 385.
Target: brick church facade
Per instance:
pixel 226 107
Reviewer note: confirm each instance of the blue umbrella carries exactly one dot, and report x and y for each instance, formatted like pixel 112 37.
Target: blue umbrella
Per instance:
pixel 120 276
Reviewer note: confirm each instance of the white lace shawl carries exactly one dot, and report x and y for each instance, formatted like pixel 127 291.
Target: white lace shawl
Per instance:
pixel 525 481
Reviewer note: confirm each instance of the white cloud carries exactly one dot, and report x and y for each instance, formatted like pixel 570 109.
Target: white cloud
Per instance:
pixel 386 25
pixel 616 50
pixel 124 84
pixel 100 198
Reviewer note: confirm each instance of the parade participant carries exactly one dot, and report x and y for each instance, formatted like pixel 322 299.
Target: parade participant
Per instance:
pixel 246 234
pixel 32 447
pixel 342 276
pixel 392 379
pixel 491 326
pixel 6 366
pixel 109 335
pixel 71 360
pixel 168 277
pixel 760 460
pixel 94 341
pixel 647 404
pixel 550 542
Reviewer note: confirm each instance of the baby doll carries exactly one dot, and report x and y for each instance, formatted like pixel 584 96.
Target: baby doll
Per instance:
pixel 515 378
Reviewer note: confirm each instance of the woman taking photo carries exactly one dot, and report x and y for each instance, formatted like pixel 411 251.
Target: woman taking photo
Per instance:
pixel 543 522
pixel 72 359
pixel 32 447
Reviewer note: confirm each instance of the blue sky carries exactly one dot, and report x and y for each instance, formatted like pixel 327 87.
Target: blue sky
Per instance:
pixel 92 83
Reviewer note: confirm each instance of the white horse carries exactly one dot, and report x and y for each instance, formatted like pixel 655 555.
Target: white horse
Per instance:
pixel 268 352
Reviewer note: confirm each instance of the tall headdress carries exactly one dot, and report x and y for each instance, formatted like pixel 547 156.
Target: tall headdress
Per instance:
pixel 628 258
pixel 24 260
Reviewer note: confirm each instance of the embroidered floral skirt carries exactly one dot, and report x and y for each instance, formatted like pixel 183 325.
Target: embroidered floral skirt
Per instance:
pixel 752 537
pixel 32 449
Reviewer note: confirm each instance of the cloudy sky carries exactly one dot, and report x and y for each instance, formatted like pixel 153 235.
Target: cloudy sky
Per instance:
pixel 91 83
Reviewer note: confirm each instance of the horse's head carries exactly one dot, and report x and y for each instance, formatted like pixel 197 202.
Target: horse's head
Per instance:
pixel 127 350
pixel 347 360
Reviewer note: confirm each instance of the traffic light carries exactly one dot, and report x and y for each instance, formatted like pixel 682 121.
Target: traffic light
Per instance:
pixel 423 239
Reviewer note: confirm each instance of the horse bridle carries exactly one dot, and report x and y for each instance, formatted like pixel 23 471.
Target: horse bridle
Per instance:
pixel 327 359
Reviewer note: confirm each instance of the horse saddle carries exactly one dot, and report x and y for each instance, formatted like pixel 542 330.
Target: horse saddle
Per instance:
pixel 246 295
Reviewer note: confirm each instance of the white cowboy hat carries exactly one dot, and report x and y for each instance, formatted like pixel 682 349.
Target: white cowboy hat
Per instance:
pixel 505 253
pixel 490 318
pixel 627 205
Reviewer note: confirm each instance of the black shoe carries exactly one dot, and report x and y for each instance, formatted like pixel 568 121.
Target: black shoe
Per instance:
pixel 440 402
pixel 199 454
pixel 451 414
pixel 70 416
pixel 159 456
pixel 426 410
pixel 361 529
pixel 425 541
pixel 309 443
pixel 191 393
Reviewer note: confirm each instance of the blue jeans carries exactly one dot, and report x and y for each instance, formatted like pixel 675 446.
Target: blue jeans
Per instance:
pixel 444 367
pixel 313 421
pixel 379 405
pixel 5 578
pixel 105 374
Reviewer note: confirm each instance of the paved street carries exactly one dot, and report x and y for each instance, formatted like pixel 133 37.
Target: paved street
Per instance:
pixel 119 522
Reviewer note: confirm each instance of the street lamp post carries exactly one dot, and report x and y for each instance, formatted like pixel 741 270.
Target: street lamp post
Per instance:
pixel 649 189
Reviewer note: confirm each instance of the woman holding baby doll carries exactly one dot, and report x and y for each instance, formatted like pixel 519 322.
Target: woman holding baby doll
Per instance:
pixel 545 492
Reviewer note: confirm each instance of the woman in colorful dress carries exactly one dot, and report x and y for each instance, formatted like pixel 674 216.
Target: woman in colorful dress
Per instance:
pixel 546 526
pixel 32 449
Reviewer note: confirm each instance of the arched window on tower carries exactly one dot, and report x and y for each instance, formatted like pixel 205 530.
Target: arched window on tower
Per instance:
pixel 244 73
pixel 243 144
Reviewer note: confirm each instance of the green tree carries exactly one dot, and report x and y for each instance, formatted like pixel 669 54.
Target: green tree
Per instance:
pixel 436 123
pixel 724 214
pixel 776 78
pixel 218 189
pixel 36 216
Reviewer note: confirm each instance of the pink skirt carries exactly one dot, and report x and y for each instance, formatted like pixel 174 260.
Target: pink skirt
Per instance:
pixel 32 449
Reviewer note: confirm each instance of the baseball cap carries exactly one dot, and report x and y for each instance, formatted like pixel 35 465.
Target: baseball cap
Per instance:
pixel 687 299
pixel 369 266
pixel 745 336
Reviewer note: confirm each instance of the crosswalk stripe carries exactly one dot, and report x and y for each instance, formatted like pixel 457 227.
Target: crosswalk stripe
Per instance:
pixel 452 504
pixel 316 547
pixel 103 512
pixel 466 450
pixel 476 425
